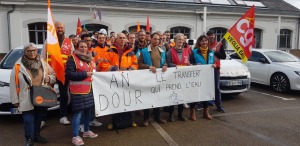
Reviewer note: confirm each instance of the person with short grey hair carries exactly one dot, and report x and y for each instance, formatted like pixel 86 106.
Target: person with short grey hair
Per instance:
pixel 33 68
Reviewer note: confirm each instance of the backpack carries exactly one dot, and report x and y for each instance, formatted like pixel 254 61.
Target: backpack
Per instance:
pixel 122 120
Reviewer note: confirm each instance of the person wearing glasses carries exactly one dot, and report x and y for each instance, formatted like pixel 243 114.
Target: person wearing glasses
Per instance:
pixel 37 71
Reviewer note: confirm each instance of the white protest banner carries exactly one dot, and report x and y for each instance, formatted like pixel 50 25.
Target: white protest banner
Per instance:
pixel 116 92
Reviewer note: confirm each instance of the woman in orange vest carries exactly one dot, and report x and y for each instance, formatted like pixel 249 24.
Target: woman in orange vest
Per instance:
pixel 79 71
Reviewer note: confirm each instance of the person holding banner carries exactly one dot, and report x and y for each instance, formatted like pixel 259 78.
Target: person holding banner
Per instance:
pixel 201 55
pixel 178 56
pixel 151 58
pixel 219 54
pixel 35 69
pixel 120 57
pixel 79 71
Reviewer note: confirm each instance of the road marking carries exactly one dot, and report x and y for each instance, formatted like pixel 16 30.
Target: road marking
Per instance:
pixel 258 111
pixel 164 134
pixel 251 132
pixel 286 99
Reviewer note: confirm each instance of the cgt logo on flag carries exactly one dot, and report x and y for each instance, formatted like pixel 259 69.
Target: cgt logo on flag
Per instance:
pixel 241 35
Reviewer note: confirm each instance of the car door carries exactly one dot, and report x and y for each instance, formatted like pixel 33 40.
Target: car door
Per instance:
pixel 258 68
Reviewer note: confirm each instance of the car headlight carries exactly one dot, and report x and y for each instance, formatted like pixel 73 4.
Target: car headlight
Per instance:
pixel 3 84
pixel 298 73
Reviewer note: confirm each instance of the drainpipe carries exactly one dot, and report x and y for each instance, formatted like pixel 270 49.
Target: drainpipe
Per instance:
pixel 8 25
pixel 298 47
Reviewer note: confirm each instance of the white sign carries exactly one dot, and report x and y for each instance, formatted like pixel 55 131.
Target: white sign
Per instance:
pixel 116 92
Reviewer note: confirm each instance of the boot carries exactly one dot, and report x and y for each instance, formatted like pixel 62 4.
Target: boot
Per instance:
pixel 193 115
pixel 206 114
pixel 171 118
pixel 181 117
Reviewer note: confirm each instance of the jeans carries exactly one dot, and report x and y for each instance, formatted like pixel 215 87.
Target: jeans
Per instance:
pixel 156 112
pixel 64 94
pixel 86 116
pixel 32 121
pixel 180 109
pixel 218 99
pixel 204 104
pixel 92 117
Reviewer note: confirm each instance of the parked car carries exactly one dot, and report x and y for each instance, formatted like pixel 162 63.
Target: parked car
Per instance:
pixel 275 68
pixel 234 77
pixel 6 66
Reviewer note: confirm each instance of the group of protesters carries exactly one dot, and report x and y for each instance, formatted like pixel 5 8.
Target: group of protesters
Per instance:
pixel 99 52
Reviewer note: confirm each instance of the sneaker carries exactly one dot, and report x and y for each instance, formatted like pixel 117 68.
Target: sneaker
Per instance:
pixel 220 109
pixel 40 139
pixel 64 120
pixel 95 123
pixel 77 141
pixel 81 128
pixel 42 124
pixel 110 126
pixel 134 124
pixel 186 105
pixel 29 142
pixel 90 134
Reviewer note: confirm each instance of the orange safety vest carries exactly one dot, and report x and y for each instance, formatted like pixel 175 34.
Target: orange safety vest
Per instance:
pixel 100 56
pixel 217 49
pixel 84 86
pixel 65 51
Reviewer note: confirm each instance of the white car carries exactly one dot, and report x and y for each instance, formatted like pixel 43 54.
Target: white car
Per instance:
pixel 234 77
pixel 6 66
pixel 275 68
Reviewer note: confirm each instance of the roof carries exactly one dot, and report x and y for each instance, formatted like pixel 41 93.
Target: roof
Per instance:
pixel 275 7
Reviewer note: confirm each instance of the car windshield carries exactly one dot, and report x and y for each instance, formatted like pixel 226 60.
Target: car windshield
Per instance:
pixel 280 56
pixel 11 58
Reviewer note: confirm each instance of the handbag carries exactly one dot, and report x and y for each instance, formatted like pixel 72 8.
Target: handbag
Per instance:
pixel 42 96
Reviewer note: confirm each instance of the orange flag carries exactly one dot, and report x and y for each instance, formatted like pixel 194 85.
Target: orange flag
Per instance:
pixel 79 29
pixel 241 35
pixel 53 48
pixel 138 28
pixel 148 24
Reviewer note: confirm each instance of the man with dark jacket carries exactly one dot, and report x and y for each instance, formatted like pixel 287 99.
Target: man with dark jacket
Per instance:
pixel 219 54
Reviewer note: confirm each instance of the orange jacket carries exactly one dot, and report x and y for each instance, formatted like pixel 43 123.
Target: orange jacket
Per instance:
pixel 100 56
pixel 113 62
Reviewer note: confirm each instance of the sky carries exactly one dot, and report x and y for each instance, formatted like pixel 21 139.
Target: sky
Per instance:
pixel 295 3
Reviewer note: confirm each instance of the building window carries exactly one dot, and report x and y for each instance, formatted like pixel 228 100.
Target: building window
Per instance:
pixel 285 38
pixel 257 37
pixel 37 32
pixel 220 32
pixel 180 29
pixel 94 27
pixel 134 28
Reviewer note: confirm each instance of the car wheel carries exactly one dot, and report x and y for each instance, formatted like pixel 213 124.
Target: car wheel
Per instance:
pixel 280 83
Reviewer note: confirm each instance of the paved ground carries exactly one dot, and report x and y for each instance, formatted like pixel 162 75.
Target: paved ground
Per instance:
pixel 258 117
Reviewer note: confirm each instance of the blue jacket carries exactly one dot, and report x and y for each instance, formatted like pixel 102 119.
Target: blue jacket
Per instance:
pixel 197 58
pixel 78 101
pixel 147 57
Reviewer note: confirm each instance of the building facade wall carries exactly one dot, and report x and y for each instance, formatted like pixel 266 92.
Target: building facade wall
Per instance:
pixel 120 20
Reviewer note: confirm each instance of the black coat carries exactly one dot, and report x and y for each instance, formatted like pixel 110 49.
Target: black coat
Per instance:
pixel 78 101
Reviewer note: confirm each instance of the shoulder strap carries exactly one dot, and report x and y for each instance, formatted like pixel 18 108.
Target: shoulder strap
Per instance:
pixel 17 68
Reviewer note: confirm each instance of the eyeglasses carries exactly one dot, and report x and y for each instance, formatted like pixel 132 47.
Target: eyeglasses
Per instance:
pixel 30 51
pixel 88 40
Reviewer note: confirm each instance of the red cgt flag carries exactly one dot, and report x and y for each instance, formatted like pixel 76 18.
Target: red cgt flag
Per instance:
pixel 241 35
pixel 79 29
pixel 148 24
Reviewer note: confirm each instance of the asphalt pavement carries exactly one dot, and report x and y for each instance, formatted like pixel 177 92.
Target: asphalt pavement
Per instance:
pixel 259 117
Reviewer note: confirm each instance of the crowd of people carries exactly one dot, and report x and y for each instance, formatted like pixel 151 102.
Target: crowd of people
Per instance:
pixel 99 52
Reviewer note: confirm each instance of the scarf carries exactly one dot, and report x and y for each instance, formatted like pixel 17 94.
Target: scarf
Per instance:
pixel 87 58
pixel 204 52
pixel 33 65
